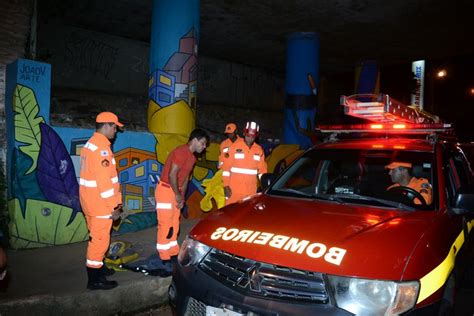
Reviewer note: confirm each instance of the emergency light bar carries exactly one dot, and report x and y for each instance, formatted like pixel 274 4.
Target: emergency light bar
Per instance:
pixel 390 128
pixel 381 108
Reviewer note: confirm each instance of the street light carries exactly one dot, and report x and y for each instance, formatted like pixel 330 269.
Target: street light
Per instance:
pixel 442 73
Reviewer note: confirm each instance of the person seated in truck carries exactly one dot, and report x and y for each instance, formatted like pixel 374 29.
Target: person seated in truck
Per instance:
pixel 419 190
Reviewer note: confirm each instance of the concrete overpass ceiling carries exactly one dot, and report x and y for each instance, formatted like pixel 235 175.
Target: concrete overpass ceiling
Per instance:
pixel 254 32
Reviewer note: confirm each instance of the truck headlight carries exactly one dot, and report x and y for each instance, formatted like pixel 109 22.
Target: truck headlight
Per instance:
pixel 191 252
pixel 374 297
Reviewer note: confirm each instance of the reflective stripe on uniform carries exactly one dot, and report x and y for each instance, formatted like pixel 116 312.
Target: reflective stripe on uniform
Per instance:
pixel 107 194
pixel 165 206
pixel 163 246
pixel 225 150
pixel 94 263
pixel 225 173
pixel 104 216
pixel 114 179
pixel 239 156
pixel 88 183
pixel 256 157
pixel 90 146
pixel 173 243
pixel 113 161
pixel 243 170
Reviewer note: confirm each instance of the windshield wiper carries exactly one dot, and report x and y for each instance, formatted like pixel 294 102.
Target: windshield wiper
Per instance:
pixel 292 191
pixel 397 205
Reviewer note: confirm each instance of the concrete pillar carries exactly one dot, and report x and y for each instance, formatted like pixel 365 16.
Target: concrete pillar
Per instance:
pixel 302 81
pixel 173 73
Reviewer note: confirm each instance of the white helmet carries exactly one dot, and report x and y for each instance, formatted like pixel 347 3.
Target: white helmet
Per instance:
pixel 251 129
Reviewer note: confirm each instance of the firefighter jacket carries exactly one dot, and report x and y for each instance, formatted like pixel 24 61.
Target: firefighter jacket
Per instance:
pixel 422 186
pixel 242 166
pixel 224 149
pixel 99 188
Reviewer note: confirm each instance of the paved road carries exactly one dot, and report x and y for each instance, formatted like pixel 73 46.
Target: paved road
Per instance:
pixel 160 311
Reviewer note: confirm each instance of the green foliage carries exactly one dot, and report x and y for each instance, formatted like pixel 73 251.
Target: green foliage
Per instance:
pixel 27 129
pixel 3 208
pixel 44 224
pixel 23 186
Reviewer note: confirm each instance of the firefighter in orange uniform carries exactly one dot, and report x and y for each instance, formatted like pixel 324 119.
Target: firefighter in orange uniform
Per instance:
pixel 231 134
pixel 246 162
pixel 100 196
pixel 400 175
pixel 170 192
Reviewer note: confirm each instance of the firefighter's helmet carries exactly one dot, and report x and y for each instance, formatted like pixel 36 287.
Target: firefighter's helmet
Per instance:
pixel 251 129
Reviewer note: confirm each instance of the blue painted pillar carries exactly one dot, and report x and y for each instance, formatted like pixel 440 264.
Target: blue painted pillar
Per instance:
pixel 27 103
pixel 173 73
pixel 367 77
pixel 302 81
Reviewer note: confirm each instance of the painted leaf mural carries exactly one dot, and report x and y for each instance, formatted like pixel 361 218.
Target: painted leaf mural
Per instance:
pixel 55 170
pixel 26 122
pixel 24 186
pixel 45 224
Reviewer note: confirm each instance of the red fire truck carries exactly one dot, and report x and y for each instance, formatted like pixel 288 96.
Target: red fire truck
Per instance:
pixel 335 234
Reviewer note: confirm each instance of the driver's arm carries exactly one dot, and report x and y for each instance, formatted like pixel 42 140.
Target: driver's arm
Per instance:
pixel 425 190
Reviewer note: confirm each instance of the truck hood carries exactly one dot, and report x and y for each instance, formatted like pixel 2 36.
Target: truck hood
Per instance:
pixel 341 239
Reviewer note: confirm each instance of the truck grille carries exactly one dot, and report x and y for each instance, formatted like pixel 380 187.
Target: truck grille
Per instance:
pixel 263 279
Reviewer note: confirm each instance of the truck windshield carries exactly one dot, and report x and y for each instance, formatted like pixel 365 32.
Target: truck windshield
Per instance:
pixel 384 178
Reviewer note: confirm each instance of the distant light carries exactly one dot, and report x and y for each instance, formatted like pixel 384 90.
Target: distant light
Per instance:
pixel 442 73
pixel 471 91
pixel 376 126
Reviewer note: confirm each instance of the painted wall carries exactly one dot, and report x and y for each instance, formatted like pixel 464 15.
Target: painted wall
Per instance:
pixel 93 61
pixel 14 38
pixel 43 167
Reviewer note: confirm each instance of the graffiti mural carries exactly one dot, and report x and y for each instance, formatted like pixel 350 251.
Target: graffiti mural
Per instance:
pixel 173 90
pixel 43 199
pixel 43 167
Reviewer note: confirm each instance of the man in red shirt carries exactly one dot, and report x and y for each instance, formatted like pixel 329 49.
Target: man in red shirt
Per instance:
pixel 231 134
pixel 170 192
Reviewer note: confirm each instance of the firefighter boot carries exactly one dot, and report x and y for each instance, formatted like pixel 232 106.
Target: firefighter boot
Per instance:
pixel 98 282
pixel 106 271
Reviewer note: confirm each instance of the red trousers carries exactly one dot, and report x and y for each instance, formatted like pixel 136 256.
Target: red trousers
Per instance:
pixel 167 214
pixel 99 240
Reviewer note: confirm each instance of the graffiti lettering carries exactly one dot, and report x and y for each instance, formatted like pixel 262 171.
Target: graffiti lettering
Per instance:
pixel 31 78
pixel 39 71
pixel 139 65
pixel 87 54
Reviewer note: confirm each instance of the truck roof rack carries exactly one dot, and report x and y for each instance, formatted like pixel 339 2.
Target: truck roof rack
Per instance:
pixel 386 116
pixel 381 108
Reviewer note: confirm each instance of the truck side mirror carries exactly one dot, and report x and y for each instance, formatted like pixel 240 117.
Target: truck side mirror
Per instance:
pixel 464 201
pixel 266 180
